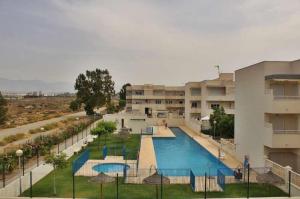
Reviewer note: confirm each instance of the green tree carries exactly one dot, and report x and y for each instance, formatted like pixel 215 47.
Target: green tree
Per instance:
pixel 111 108
pixel 103 129
pixel 224 126
pixel 122 93
pixel 58 161
pixel 94 89
pixel 3 109
pixel 75 105
pixel 99 131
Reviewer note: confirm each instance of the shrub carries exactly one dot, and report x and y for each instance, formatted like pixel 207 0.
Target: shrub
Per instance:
pixel 12 138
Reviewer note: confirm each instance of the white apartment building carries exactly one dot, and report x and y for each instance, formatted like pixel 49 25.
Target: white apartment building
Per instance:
pixel 155 100
pixel 201 97
pixel 194 101
pixel 267 119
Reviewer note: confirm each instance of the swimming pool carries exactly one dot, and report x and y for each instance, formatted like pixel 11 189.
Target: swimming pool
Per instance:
pixel 110 167
pixel 177 156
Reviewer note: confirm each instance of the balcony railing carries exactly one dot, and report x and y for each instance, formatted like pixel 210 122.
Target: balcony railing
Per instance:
pixel 286 97
pixel 270 91
pixel 284 131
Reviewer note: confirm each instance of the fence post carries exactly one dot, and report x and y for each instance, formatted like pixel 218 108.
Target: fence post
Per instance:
pixel 73 185
pixel 30 184
pixel 205 196
pixel 23 165
pixel 37 156
pixel 117 186
pixel 161 186
pixel 248 182
pixel 290 179
pixel 3 171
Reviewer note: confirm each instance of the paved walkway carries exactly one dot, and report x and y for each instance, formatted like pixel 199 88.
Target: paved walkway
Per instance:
pixel 213 149
pixel 147 157
pixel 161 131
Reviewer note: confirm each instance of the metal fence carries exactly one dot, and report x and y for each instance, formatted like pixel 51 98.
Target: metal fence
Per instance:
pixel 128 181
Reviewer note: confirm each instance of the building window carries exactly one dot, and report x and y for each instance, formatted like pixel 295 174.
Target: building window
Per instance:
pixel 180 102
pixel 169 101
pixel 158 101
pixel 213 106
pixel 139 92
pixel 194 104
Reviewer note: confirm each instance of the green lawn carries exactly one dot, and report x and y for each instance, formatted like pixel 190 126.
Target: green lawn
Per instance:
pixel 86 189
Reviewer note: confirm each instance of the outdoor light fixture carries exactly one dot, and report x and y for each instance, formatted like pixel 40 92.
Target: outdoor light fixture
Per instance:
pixel 19 153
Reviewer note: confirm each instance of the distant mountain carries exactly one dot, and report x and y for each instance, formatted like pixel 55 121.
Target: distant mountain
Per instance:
pixel 34 85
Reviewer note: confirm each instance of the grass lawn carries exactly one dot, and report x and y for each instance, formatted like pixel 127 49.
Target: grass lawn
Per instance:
pixel 86 189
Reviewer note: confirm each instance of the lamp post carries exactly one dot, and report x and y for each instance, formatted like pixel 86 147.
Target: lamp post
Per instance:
pixel 215 122
pixel 19 153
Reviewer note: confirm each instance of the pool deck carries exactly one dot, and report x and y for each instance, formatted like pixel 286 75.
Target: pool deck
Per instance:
pixel 147 158
pixel 162 131
pixel 87 168
pixel 229 161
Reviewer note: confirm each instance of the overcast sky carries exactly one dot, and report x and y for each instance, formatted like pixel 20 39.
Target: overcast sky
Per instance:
pixel 154 41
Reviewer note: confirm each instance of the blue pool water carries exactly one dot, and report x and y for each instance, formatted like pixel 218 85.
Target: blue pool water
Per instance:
pixel 177 156
pixel 110 167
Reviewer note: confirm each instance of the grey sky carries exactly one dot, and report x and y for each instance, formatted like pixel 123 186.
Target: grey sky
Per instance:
pixel 163 42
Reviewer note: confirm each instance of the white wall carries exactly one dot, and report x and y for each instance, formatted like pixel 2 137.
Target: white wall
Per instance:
pixel 249 117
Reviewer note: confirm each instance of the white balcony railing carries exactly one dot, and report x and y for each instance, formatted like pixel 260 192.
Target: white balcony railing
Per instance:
pixel 297 131
pixel 291 97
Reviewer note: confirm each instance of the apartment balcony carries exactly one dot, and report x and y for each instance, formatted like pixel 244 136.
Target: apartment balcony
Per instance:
pixel 174 105
pixel 230 111
pixel 144 97
pixel 282 104
pixel 281 138
pixel 174 97
pixel 194 97
pixel 220 98
pixel 195 110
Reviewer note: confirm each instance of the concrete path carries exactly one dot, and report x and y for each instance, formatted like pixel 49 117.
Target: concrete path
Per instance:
pixel 213 149
pixel 25 128
pixel 147 157
pixel 161 131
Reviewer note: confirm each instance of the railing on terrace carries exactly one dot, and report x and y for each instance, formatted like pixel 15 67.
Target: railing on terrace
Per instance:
pixel 281 171
pixel 284 131
pixel 295 178
pixel 278 97
pixel 286 97
pixel 277 169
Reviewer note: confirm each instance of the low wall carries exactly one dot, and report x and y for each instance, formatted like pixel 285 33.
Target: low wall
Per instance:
pixel 283 172
pixel 139 121
pixel 194 125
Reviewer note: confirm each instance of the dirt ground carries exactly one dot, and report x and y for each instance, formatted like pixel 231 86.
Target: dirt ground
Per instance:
pixel 29 110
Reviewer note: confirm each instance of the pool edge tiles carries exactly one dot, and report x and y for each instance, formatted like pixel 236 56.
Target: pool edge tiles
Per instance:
pixel 87 168
pixel 110 167
pixel 177 156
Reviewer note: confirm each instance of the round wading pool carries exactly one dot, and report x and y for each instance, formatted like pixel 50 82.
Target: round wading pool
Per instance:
pixel 110 167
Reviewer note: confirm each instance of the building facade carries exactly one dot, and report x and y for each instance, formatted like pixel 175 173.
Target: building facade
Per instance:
pixel 202 97
pixel 267 119
pixel 155 100
pixel 194 101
